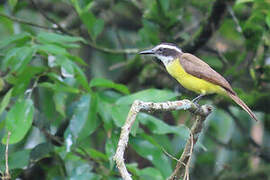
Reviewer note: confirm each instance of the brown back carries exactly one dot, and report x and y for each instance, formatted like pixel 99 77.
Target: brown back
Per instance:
pixel 200 69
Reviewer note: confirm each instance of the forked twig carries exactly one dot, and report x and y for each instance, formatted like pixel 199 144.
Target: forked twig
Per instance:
pixel 138 106
pixel 180 170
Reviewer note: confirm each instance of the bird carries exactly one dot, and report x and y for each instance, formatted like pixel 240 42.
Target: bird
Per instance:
pixel 194 74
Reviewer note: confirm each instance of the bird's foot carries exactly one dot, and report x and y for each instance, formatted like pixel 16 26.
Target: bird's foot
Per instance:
pixel 196 102
pixel 196 99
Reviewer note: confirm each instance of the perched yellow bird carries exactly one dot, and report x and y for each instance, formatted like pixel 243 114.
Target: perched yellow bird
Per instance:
pixel 194 74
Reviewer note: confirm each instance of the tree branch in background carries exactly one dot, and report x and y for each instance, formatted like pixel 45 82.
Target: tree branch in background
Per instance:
pixel 43 13
pixel 91 44
pixel 138 106
pixel 211 24
pixel 112 51
pixel 88 43
pixel 12 18
pixel 199 40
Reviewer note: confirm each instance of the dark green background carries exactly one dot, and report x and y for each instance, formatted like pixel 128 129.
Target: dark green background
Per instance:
pixel 70 71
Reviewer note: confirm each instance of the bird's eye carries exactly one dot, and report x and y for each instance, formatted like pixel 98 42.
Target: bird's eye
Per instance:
pixel 160 50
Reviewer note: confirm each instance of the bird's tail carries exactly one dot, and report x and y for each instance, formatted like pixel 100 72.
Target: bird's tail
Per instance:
pixel 242 104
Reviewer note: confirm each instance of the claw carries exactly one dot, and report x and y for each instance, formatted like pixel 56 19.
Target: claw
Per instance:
pixel 196 99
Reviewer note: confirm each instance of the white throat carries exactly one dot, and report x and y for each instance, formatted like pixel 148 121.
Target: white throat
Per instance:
pixel 165 59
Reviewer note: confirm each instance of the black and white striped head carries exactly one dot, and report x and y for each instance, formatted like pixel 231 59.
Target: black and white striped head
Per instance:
pixel 166 52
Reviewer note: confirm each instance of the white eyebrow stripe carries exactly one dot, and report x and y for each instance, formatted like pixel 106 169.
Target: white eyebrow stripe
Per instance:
pixel 169 47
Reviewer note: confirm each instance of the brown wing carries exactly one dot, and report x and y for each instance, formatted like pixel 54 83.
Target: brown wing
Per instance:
pixel 200 69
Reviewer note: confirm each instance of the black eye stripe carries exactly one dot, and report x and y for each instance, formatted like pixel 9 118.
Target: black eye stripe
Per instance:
pixel 168 51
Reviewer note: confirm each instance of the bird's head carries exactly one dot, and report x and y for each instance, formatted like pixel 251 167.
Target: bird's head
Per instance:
pixel 165 52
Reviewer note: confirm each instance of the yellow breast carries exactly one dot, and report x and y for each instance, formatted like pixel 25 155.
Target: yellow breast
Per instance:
pixel 190 82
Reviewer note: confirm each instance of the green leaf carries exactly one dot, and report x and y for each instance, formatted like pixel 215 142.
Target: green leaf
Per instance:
pixel 109 96
pixel 153 95
pixel 85 176
pixel 22 81
pixel 100 82
pixel 48 107
pixel 76 59
pixel 76 5
pixel 16 38
pixel 157 126
pixel 150 173
pixel 110 149
pixel 56 77
pixel 60 40
pixel 66 67
pixel 97 154
pixel 59 87
pixel 41 151
pixel 94 26
pixel 56 38
pixel 19 120
pixel 119 114
pixel 24 57
pixel 92 122
pixel 243 1
pixel 165 5
pixel 9 58
pixel 81 77
pixel 17 58
pixel 106 101
pixel 17 160
pixel 2 84
pixel 267 20
pixel 5 101
pixel 89 5
pixel 133 169
pixel 153 153
pixel 12 3
pixel 83 121
pixel 104 110
pixel 52 49
pixel 98 28
pixel 60 102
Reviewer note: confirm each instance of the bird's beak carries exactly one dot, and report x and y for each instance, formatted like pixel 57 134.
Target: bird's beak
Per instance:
pixel 150 51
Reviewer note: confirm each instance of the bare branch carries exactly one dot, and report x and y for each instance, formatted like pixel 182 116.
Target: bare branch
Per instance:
pixel 180 170
pixel 6 175
pixel 138 106
pixel 238 26
pixel 112 51
pixel 169 155
pixel 186 176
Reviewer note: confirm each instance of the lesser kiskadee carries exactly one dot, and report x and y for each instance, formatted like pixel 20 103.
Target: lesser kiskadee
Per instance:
pixel 194 74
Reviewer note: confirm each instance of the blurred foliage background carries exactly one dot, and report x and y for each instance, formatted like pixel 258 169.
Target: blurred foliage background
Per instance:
pixel 70 71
